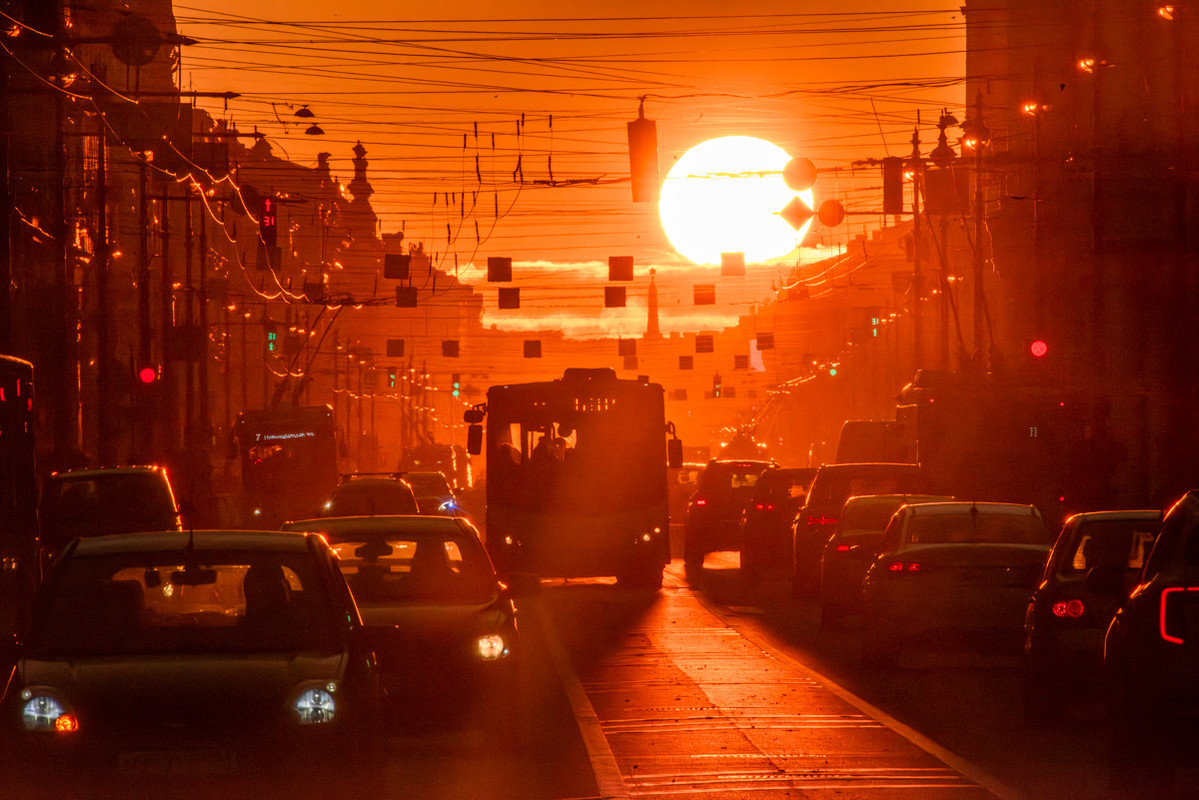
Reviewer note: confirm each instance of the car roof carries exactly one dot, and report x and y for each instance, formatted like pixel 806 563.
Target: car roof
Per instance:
pixel 414 524
pixel 854 466
pixel 359 481
pixel 1117 514
pixel 907 498
pixel 200 541
pixel 964 506
pixel 92 472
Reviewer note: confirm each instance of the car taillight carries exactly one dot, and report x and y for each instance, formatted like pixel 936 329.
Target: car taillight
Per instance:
pixel 843 548
pixel 764 506
pixel 1069 609
pixel 821 520
pixel 905 567
pixel 1170 616
pixel 701 501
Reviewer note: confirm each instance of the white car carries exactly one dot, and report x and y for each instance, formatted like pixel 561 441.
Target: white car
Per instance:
pixel 961 568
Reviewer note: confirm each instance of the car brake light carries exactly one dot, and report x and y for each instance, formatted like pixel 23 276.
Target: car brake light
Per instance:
pixel 701 501
pixel 1072 609
pixel 842 548
pixel 905 567
pixel 759 507
pixel 821 520
pixel 1168 620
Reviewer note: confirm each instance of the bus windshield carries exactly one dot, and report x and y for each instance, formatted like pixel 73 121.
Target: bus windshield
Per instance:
pixel 576 451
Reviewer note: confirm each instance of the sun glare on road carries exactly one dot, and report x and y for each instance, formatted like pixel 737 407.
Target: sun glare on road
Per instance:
pixel 724 196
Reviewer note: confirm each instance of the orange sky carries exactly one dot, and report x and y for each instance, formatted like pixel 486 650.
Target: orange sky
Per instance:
pixel 506 135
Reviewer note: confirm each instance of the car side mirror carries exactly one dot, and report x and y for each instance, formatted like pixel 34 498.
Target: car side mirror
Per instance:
pixel 474 439
pixel 1105 580
pixel 674 453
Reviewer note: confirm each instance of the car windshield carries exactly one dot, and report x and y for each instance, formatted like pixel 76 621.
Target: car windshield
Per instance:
pixel 165 603
pixel 978 528
pixel 404 569
pixel 869 516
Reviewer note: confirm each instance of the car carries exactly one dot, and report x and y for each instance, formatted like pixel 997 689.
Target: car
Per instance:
pixel 433 493
pixel 1150 668
pixel 364 494
pixel 853 546
pixel 832 485
pixel 1066 622
pixel 103 500
pixel 723 488
pixel 959 567
pixel 766 520
pixel 203 656
pixel 443 626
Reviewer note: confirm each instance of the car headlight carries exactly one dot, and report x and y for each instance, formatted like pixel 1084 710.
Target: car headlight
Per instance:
pixel 316 705
pixel 491 647
pixel 44 713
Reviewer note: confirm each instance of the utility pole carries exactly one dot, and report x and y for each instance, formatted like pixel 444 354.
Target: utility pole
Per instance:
pixel 915 167
pixel 977 136
pixel 105 435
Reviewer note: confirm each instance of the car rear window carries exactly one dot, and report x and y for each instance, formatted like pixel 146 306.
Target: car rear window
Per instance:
pixel 977 528
pixel 102 504
pixel 1120 543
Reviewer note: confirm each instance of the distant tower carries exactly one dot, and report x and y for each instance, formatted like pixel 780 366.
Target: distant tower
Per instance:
pixel 652 331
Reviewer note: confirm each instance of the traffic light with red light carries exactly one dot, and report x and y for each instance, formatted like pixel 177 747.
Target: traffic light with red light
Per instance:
pixel 268 221
pixel 147 374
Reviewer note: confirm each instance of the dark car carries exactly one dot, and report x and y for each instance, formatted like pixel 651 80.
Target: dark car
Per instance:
pixel 817 518
pixel 443 626
pixel 1066 622
pixel 95 502
pixel 958 570
pixel 1151 649
pixel 852 548
pixel 213 655
pixel 364 495
pixel 433 493
pixel 766 521
pixel 723 488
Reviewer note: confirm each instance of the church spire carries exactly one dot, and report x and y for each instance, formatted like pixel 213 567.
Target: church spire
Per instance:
pixel 360 187
pixel 652 331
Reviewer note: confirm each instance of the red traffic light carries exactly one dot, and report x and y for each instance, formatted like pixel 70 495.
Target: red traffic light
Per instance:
pixel 1038 348
pixel 147 374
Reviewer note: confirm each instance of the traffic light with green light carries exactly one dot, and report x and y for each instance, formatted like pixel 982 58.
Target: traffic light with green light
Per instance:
pixel 456 384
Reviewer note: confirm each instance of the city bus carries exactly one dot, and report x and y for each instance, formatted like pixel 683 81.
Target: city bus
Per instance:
pixel 19 573
pixel 576 477
pixel 288 458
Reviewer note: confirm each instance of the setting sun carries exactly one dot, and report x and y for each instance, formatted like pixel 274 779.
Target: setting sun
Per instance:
pixel 724 196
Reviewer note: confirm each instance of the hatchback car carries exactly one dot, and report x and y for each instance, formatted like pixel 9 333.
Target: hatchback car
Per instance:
pixel 94 502
pixel 766 521
pixel 212 655
pixel 1151 649
pixel 832 485
pixel 960 567
pixel 723 488
pixel 442 625
pixel 364 495
pixel 1065 622
pixel 853 547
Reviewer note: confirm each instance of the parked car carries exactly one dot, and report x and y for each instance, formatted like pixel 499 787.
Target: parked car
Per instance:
pixel 832 485
pixel 852 548
pixel 714 513
pixel 368 494
pixel 443 627
pixel 1151 648
pixel 766 521
pixel 95 502
pixel 205 656
pixel 959 567
pixel 1066 622
pixel 433 493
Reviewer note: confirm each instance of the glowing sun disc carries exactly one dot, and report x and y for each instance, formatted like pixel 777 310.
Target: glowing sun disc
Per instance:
pixel 724 196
